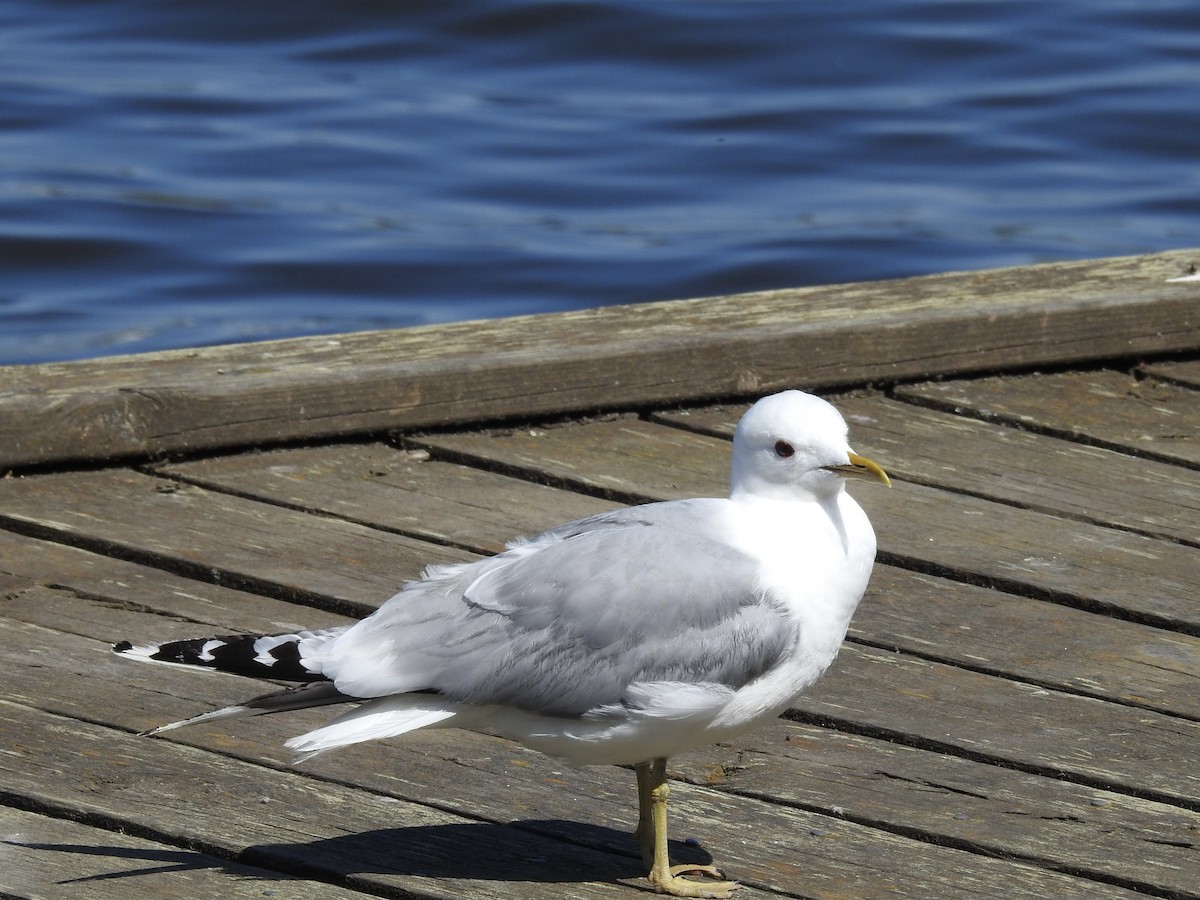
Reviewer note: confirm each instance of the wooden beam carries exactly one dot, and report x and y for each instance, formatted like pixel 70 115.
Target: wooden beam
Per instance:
pixel 657 353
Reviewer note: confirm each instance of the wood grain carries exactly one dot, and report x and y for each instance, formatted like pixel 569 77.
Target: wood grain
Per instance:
pixel 988 459
pixel 1185 371
pixel 1042 643
pixel 958 802
pixel 941 707
pixel 797 849
pixel 1149 418
pixel 57 859
pixel 266 393
pixel 926 528
pixel 943 619
pixel 317 828
pixel 338 565
pixel 1014 714
pixel 380 486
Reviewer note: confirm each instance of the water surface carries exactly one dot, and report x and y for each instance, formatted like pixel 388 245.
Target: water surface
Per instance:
pixel 177 174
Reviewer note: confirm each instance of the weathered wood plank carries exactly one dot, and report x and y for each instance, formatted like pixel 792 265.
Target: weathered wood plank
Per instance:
pixel 1030 640
pixel 944 620
pixel 949 621
pixel 990 460
pixel 47 858
pixel 962 731
pixel 1045 730
pixel 381 843
pixel 223 538
pixel 784 849
pixel 285 821
pixel 947 800
pixel 627 458
pixel 992 808
pixel 1147 417
pixel 92 679
pixel 112 621
pixel 659 353
pixel 1033 728
pixel 970 538
pixel 380 486
pixel 1094 568
pixel 29 567
pixel 1185 372
pixel 319 557
pixel 55 859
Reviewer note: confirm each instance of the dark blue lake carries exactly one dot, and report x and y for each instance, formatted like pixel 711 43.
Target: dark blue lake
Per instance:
pixel 176 174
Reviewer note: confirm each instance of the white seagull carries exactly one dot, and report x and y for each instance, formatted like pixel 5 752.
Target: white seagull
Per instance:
pixel 622 638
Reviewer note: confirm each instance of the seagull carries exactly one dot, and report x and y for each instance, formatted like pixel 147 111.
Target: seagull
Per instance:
pixel 623 638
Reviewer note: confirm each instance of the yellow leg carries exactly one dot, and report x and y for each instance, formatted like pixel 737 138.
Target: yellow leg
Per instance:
pixel 652 835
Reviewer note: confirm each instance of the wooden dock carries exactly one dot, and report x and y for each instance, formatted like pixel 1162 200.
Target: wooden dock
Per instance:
pixel 1015 714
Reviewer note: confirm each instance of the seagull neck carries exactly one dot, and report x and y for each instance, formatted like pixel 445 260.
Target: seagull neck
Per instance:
pixel 791 504
pixel 759 491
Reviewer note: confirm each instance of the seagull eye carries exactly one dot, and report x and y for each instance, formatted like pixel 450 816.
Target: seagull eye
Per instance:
pixel 783 449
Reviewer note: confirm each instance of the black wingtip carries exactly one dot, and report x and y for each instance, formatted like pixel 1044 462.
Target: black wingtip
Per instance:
pixel 122 647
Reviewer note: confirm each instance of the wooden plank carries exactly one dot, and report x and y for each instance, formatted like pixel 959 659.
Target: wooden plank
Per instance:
pixel 90 683
pixel 1031 641
pixel 56 859
pixel 865 722
pixel 378 843
pixel 380 486
pixel 34 570
pixel 1104 835
pixel 945 620
pixel 1022 468
pixel 1150 418
pixel 1045 731
pixel 317 553
pixel 1035 729
pixel 156 696
pixel 625 458
pixel 112 621
pixel 920 527
pixel 257 394
pixel 1185 372
pixel 942 620
pixel 284 821
pixel 781 848
pixel 323 561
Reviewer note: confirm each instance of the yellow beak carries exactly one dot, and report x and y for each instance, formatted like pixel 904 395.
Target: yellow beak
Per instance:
pixel 861 467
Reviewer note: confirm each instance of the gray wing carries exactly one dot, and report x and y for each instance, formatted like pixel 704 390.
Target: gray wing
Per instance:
pixel 568 622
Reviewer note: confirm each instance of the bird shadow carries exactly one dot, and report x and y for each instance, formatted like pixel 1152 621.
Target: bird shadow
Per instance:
pixel 546 851
pixel 529 850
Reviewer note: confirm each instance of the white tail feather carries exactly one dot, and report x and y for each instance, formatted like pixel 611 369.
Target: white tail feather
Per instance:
pixel 385 717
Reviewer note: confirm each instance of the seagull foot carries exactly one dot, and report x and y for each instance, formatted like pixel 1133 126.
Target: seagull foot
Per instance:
pixel 676 886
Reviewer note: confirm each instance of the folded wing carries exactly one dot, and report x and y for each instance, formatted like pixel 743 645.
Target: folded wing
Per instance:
pixel 573 620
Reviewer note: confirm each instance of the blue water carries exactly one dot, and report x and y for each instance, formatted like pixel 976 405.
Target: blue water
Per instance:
pixel 178 174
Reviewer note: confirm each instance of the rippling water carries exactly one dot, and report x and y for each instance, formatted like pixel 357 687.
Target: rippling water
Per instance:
pixel 183 173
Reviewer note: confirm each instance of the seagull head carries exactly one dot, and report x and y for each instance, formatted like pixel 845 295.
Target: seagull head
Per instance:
pixel 793 446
